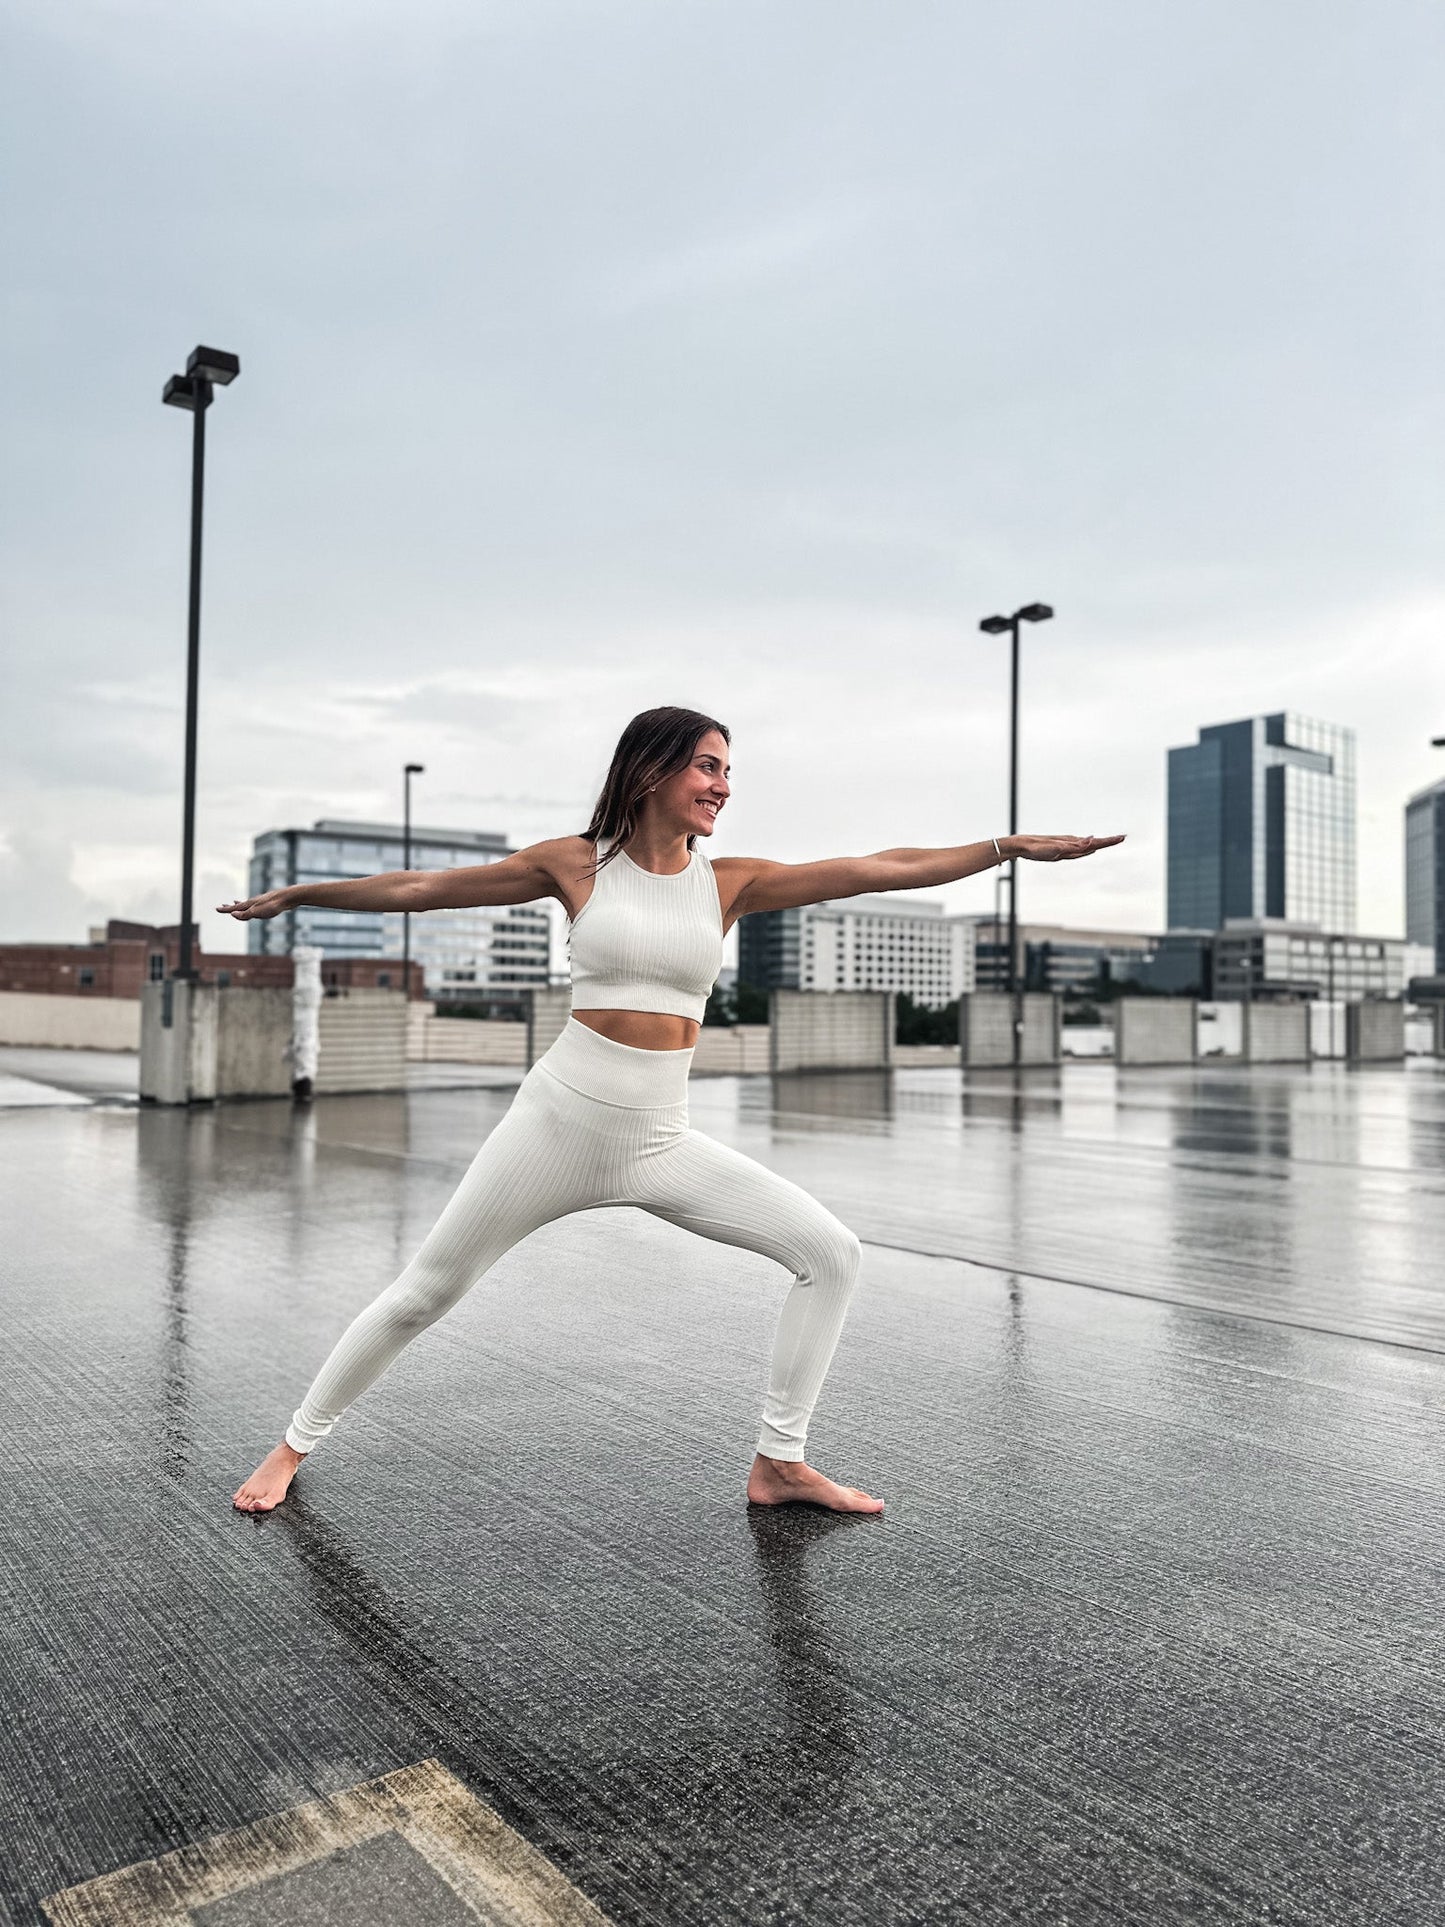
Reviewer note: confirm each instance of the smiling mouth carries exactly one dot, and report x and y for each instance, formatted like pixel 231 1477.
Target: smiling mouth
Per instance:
pixel 712 808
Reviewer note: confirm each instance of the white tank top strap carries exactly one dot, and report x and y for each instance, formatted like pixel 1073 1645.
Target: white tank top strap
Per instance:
pixel 645 941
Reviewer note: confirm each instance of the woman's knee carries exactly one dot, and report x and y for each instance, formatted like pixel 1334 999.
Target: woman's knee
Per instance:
pixel 839 1255
pixel 420 1296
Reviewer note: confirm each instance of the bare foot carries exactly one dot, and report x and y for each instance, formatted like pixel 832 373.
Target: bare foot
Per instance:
pixel 790 1482
pixel 269 1483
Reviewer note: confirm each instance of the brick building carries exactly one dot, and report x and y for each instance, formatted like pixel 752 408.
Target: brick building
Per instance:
pixel 123 956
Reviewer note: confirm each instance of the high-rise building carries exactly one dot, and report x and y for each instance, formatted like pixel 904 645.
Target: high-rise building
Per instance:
pixel 465 954
pixel 1262 824
pixel 1425 871
pixel 860 943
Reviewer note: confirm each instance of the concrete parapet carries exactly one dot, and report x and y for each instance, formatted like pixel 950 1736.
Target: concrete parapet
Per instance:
pixel 464 1040
pixel 1327 1028
pixel 363 1041
pixel 1375 1032
pixel 199 1042
pixel 1276 1034
pixel 547 1014
pixel 827 1030
pixel 178 1042
pixel 737 1048
pixel 65 1022
pixel 253 1028
pixel 1155 1030
pixel 985 1028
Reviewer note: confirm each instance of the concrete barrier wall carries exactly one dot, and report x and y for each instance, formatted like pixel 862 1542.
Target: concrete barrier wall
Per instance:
pixel 253 1028
pixel 69 1023
pixel 1155 1030
pixel 925 1057
pixel 1375 1032
pixel 1276 1034
pixel 985 1025
pixel 178 1043
pixel 547 1014
pixel 1220 1030
pixel 232 1042
pixel 826 1030
pixel 363 1042
pixel 1327 1029
pixel 461 1040
pixel 742 1049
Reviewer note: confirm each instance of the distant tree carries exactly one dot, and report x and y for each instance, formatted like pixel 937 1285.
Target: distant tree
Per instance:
pixel 750 1005
pixel 720 1007
pixel 924 1023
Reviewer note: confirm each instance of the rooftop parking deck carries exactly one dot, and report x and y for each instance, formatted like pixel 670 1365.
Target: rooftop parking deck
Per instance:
pixel 1148 1365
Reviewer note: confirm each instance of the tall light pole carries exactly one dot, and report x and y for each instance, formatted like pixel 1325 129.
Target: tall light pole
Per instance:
pixel 995 626
pixel 206 370
pixel 408 771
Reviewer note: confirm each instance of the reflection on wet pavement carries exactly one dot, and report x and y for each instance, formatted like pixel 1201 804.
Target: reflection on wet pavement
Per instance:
pixel 1147 1366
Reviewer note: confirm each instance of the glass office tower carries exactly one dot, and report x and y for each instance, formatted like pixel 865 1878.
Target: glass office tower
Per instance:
pixel 464 954
pixel 1425 871
pixel 1262 824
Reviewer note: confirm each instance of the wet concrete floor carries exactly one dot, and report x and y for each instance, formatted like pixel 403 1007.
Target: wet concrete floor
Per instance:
pixel 1149 1366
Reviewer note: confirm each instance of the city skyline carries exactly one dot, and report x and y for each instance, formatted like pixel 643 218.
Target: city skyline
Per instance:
pixel 759 411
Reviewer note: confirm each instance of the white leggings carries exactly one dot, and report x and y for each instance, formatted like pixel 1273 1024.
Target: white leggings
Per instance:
pixel 598 1123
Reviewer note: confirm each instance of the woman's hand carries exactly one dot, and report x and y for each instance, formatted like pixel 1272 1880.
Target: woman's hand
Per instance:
pixel 269 904
pixel 1054 849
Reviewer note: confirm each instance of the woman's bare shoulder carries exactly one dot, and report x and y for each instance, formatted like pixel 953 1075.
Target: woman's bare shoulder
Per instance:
pixel 566 860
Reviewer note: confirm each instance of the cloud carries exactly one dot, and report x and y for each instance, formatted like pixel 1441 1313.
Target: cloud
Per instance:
pixel 785 245
pixel 744 356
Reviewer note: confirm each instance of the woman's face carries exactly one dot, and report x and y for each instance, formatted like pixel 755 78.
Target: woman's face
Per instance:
pixel 690 801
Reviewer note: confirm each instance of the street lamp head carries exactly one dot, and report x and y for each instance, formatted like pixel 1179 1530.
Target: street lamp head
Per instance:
pixel 415 769
pixel 214 364
pixel 995 625
pixel 180 392
pixel 1035 612
pixel 1437 742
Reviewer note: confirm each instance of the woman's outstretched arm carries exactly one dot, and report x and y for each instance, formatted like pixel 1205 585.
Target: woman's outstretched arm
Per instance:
pixel 749 884
pixel 543 870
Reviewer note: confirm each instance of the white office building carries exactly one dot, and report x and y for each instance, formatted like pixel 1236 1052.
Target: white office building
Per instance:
pixel 1269 956
pixel 472 954
pixel 894 942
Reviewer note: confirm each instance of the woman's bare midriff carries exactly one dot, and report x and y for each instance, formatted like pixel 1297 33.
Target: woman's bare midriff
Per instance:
pixel 642 1029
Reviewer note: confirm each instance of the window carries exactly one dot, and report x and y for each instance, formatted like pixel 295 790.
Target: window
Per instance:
pixel 223 979
pixel 157 966
pixel 86 979
pixel 383 980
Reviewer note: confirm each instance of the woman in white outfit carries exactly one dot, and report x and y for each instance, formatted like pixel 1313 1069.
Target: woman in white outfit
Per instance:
pixel 601 1118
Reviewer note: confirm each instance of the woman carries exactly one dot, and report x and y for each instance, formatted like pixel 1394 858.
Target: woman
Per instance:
pixel 601 1118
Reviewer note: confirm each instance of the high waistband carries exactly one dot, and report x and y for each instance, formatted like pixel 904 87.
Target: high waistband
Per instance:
pixel 639 1080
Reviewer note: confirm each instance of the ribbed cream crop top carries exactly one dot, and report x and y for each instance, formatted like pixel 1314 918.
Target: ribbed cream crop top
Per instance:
pixel 647 942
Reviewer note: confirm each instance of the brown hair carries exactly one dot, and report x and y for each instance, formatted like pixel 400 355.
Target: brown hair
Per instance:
pixel 654 746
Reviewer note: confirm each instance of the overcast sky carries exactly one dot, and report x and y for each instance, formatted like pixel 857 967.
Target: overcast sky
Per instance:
pixel 734 355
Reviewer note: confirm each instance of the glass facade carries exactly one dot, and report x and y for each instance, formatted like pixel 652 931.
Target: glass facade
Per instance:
pixel 460 951
pixel 1262 824
pixel 1425 871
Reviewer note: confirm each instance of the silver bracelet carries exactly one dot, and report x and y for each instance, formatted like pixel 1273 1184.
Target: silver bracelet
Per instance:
pixel 997 851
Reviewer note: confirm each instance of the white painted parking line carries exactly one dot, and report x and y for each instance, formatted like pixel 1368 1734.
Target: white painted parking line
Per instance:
pixel 415 1840
pixel 19 1093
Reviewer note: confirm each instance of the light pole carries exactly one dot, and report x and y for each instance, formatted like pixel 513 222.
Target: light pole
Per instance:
pixel 206 370
pixel 409 770
pixel 995 626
